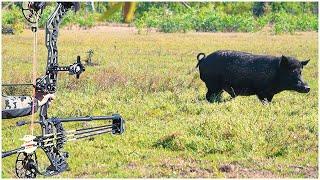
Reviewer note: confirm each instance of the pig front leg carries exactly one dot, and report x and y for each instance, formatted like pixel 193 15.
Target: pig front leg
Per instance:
pixel 214 95
pixel 230 91
pixel 265 99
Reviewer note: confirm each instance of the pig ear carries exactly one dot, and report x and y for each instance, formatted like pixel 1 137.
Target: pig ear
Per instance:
pixel 284 61
pixel 303 63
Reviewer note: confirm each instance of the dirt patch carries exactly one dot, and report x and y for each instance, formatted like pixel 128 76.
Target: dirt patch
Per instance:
pixel 235 170
pixel 105 28
pixel 132 166
pixel 305 171
pixel 187 168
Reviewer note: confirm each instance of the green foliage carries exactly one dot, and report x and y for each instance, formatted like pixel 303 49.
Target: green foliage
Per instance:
pixel 284 22
pixel 234 7
pixel 207 17
pixel 86 21
pixel 116 17
pixel 205 20
pixel 151 18
pixel 207 23
pixel 13 18
pixel 237 23
pixel 45 15
pixel 81 18
pixel 70 18
pixel 180 23
pixel 294 7
pixel 227 17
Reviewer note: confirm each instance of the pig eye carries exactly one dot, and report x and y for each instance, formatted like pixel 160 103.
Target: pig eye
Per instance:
pixel 295 71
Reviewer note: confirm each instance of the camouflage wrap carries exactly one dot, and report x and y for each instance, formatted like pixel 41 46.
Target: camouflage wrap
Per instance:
pixel 17 106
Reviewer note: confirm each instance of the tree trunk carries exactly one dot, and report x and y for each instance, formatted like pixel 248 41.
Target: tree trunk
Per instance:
pixel 128 11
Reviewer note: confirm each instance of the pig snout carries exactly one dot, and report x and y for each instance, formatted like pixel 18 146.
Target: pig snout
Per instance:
pixel 306 89
pixel 303 87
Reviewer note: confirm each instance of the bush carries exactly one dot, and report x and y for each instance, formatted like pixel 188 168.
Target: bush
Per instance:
pixel 238 23
pixel 206 17
pixel 234 8
pixel 207 20
pixel 14 19
pixel 284 22
pixel 307 22
pixel 45 15
pixel 152 18
pixel 70 18
pixel 180 23
pixel 86 22
pixel 213 19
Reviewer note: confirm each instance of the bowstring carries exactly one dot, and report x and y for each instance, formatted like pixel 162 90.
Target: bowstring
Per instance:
pixel 34 71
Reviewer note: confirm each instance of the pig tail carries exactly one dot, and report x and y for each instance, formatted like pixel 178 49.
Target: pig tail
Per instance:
pixel 200 59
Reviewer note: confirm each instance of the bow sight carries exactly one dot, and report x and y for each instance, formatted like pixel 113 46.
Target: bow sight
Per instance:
pixel 54 136
pixel 47 83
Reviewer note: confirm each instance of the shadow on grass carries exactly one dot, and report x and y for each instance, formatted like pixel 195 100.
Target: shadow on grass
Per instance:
pixel 219 99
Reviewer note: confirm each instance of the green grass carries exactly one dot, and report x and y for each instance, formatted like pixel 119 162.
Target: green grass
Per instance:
pixel 171 130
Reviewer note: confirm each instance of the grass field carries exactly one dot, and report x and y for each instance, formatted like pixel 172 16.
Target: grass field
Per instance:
pixel 171 130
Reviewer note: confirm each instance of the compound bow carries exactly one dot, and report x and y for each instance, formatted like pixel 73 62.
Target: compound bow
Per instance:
pixel 54 136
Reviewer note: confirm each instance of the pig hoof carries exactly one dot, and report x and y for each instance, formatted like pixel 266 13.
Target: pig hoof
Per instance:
pixel 265 102
pixel 214 99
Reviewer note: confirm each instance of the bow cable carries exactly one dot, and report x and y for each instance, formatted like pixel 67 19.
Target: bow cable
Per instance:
pixel 34 68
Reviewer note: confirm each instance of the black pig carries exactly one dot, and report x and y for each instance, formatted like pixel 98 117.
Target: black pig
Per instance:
pixel 244 74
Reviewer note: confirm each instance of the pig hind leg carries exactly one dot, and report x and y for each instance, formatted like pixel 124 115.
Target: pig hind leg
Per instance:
pixel 214 93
